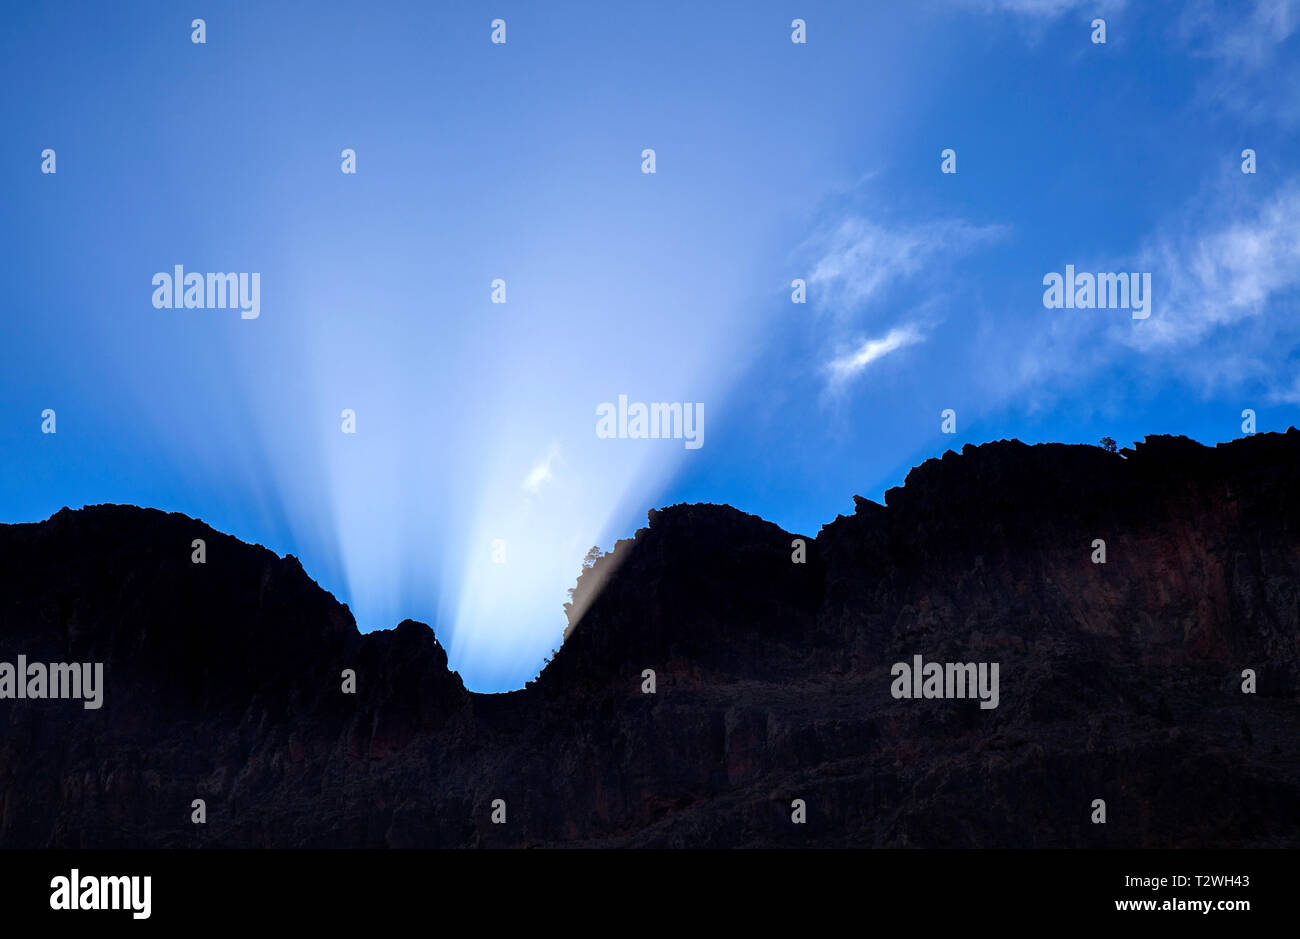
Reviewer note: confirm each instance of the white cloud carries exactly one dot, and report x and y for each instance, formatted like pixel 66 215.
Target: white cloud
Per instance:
pixel 1225 297
pixel 873 350
pixel 1221 274
pixel 858 263
pixel 543 470
pixel 860 259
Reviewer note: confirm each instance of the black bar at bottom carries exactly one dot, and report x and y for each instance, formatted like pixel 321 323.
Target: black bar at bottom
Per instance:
pixel 591 890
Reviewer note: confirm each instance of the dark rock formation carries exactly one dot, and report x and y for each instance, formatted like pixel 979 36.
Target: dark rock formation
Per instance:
pixel 1118 681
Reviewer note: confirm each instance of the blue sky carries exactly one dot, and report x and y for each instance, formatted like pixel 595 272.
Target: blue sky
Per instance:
pixel 475 480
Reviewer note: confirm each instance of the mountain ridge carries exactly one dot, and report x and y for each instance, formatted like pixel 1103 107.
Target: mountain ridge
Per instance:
pixel 1120 680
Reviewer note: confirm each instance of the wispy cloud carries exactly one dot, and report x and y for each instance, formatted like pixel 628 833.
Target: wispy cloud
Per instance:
pixel 1226 290
pixel 1247 41
pixel 860 259
pixel 858 264
pixel 1224 273
pixel 1286 393
pixel 1046 9
pixel 873 350
pixel 1254 49
pixel 543 470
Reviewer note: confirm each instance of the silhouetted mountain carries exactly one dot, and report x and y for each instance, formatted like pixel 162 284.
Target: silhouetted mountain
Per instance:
pixel 1119 681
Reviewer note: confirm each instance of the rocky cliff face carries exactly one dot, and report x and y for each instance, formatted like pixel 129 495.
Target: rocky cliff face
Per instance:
pixel 1119 681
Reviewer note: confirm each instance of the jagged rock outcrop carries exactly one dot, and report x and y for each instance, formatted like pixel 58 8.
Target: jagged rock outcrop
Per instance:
pixel 1118 681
